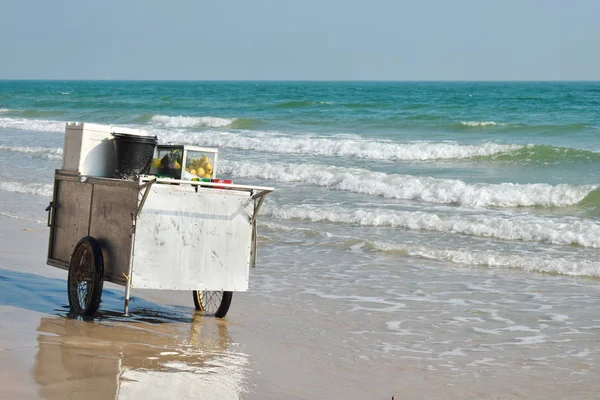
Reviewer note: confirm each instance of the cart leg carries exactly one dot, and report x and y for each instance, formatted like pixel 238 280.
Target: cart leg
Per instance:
pixel 131 252
pixel 127 292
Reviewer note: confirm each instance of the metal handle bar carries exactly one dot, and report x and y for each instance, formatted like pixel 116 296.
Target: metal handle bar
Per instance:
pixel 234 186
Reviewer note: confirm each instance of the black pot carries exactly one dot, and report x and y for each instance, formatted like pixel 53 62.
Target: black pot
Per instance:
pixel 134 155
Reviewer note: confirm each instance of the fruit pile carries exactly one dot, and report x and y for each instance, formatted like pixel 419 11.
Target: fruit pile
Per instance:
pixel 158 163
pixel 171 160
pixel 200 167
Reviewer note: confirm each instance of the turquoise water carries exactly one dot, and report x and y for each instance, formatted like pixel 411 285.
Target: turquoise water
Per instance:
pixel 502 163
pixel 473 207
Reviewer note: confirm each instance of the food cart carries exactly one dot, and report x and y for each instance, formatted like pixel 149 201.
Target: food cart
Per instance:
pixel 151 233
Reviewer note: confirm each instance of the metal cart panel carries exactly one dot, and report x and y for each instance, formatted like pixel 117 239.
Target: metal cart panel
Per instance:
pixel 213 239
pixel 110 223
pixel 73 206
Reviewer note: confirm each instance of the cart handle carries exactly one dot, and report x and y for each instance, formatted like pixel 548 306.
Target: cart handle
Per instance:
pixel 146 185
pixel 258 198
pixel 246 188
pixel 50 210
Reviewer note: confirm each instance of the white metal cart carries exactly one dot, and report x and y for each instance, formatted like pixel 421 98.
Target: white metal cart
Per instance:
pixel 153 234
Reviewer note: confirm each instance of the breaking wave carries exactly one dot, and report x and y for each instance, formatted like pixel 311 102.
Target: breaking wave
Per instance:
pixel 478 124
pixel 416 151
pixel 547 155
pixel 191 122
pixel 36 125
pixel 408 187
pixel 556 263
pixel 582 232
pixel 40 189
pixel 49 153
pixel 538 263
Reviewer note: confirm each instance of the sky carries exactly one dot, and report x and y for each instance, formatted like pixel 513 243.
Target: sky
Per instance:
pixel 300 40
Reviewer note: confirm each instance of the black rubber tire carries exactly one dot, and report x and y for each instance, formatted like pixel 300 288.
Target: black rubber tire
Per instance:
pixel 212 302
pixel 86 272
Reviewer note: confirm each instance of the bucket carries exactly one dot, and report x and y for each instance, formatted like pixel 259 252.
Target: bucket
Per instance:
pixel 134 155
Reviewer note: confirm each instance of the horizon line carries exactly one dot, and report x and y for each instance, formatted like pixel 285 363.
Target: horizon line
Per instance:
pixel 304 80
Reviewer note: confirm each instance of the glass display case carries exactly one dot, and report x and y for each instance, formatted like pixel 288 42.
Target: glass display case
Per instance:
pixel 184 162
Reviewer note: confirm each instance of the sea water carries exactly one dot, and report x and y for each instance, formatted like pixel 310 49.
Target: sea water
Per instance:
pixel 453 225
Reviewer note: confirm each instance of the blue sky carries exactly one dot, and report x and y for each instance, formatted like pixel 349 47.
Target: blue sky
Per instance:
pixel 300 40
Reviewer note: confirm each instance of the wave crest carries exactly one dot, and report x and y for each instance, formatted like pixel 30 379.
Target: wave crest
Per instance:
pixel 49 153
pixel 40 189
pixel 191 122
pixel 478 124
pixel 545 154
pixel 416 151
pixel 36 125
pixel 583 233
pixel 407 187
pixel 490 258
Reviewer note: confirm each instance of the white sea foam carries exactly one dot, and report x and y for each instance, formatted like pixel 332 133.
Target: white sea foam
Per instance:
pixel 407 187
pixel 49 153
pixel 36 125
pixel 40 189
pixel 2 110
pixel 528 340
pixel 191 122
pixel 481 124
pixel 582 232
pixel 537 262
pixel 377 150
pixel 12 216
pixel 520 328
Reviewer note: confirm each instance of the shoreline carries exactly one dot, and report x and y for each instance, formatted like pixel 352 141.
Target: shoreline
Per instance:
pixel 268 346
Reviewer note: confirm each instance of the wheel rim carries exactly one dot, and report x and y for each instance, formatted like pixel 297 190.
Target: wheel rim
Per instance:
pixel 83 284
pixel 209 301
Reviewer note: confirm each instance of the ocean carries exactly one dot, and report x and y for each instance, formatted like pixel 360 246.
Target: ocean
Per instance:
pixel 451 226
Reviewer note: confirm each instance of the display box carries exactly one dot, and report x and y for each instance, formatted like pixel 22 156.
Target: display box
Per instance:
pixel 184 162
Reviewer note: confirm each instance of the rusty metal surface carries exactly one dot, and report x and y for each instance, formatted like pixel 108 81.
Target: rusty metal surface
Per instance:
pixel 110 223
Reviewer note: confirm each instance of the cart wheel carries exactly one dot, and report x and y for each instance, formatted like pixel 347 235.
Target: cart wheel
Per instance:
pixel 86 272
pixel 211 302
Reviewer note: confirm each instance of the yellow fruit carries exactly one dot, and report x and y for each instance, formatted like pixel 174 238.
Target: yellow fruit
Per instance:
pixel 177 165
pixel 156 163
pixel 207 176
pixel 208 169
pixel 200 172
pixel 193 171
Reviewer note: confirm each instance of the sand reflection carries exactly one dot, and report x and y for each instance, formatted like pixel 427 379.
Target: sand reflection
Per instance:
pixel 146 356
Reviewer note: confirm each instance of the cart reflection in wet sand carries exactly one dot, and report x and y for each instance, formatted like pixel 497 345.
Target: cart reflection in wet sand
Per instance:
pixel 144 357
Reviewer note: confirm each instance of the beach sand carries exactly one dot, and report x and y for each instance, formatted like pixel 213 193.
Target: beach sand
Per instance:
pixel 268 347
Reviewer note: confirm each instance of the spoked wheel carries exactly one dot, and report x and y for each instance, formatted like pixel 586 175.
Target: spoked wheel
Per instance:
pixel 212 302
pixel 86 272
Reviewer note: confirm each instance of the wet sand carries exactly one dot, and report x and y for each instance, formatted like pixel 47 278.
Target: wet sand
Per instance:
pixel 159 350
pixel 268 347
